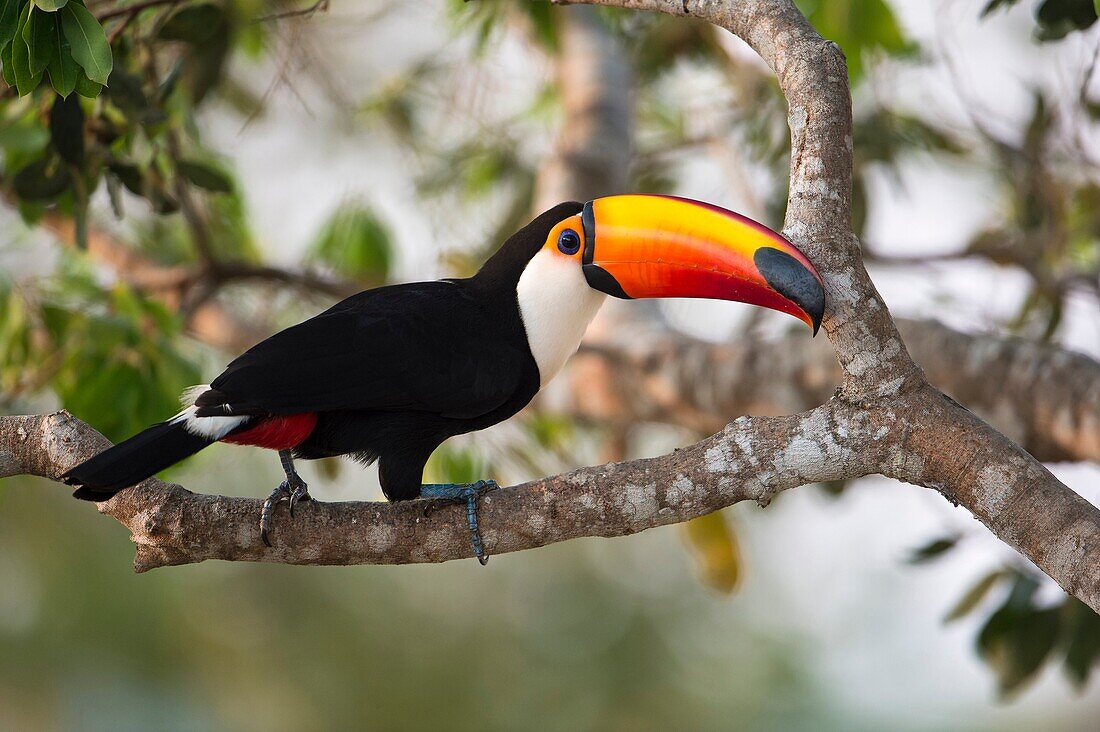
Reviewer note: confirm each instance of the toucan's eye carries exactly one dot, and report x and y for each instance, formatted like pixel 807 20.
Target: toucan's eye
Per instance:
pixel 569 242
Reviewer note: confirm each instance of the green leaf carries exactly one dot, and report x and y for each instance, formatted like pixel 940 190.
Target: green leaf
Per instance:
pixel 356 244
pixel 9 19
pixel 1018 637
pixel 858 27
pixel 714 546
pixel 205 175
pixel 120 365
pixel 9 66
pixel 127 93
pixel 933 549
pixel 63 68
pixel 25 79
pixel 455 465
pixel 129 176
pixel 205 63
pixel 1082 641
pixel 42 36
pixel 550 431
pixel 50 6
pixel 89 43
pixel 975 595
pixel 85 87
pixel 43 180
pixel 23 137
pixel 1059 18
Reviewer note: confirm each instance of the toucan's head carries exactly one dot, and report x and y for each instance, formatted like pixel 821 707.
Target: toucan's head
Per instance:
pixel 636 246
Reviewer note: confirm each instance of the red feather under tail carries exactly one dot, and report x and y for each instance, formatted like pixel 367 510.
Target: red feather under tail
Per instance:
pixel 278 432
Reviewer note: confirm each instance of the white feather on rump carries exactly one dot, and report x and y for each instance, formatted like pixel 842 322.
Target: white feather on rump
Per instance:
pixel 213 428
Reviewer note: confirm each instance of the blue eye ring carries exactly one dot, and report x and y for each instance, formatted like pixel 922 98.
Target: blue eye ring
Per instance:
pixel 569 242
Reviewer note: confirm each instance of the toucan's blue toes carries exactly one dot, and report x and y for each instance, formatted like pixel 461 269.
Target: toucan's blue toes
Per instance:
pixel 469 493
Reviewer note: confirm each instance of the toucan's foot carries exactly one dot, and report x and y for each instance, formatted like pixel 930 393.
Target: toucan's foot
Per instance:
pixel 450 494
pixel 293 489
pixel 299 492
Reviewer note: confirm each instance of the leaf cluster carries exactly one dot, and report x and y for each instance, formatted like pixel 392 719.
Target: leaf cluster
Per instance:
pixel 1023 633
pixel 56 39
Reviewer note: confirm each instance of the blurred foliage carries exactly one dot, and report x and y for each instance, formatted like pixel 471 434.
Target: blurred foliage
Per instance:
pixel 451 464
pixel 112 357
pixel 1051 226
pixel 132 136
pixel 356 244
pixel 1023 633
pixel 485 21
pixel 933 549
pixel 1054 19
pixel 859 27
pixel 713 543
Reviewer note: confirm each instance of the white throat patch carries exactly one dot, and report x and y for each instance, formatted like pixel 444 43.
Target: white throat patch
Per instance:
pixel 556 305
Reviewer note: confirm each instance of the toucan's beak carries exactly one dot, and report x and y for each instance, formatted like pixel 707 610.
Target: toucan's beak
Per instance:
pixel 639 246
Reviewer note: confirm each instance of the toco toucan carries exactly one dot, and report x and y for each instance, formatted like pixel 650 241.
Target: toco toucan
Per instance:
pixel 391 373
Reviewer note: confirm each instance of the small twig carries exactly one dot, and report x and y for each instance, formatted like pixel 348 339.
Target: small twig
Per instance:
pixel 225 272
pixel 200 233
pixel 117 32
pixel 319 6
pixel 133 10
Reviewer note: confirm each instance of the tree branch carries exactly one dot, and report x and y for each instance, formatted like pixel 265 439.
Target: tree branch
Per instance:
pixel 751 459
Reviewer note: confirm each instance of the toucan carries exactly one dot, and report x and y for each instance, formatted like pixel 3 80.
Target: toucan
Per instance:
pixel 389 374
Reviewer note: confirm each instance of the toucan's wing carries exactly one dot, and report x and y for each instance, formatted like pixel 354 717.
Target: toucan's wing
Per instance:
pixel 424 346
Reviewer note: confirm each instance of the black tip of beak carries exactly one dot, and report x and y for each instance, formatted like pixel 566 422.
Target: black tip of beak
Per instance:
pixel 790 278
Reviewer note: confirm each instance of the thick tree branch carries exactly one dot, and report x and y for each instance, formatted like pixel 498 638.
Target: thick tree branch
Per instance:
pixel 751 459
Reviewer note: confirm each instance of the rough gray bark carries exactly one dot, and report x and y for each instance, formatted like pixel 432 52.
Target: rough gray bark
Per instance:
pixel 885 418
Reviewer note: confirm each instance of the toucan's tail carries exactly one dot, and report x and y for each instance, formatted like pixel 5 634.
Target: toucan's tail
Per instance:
pixel 134 460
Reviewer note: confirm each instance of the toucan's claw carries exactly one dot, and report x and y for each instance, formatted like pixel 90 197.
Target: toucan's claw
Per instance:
pixel 299 493
pixel 293 489
pixel 450 494
pixel 281 492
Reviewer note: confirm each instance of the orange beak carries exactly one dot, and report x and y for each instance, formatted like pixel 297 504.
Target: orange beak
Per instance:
pixel 639 246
